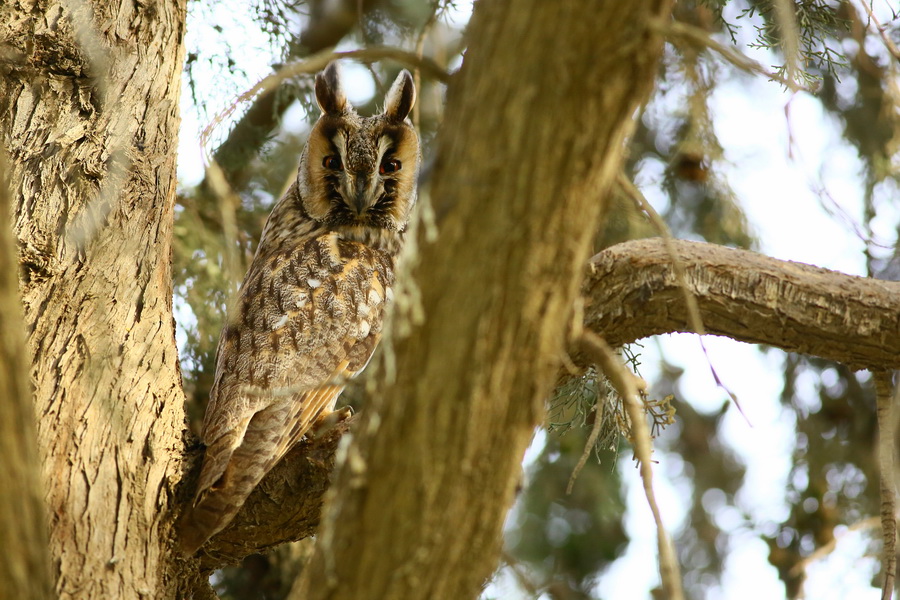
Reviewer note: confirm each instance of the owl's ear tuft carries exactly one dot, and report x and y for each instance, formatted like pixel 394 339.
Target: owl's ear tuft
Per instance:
pixel 329 93
pixel 401 97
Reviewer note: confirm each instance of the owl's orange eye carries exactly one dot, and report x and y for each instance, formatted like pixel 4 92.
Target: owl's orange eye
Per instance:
pixel 390 165
pixel 333 162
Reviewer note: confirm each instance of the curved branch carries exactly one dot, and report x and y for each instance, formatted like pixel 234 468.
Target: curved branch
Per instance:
pixel 632 292
pixel 327 25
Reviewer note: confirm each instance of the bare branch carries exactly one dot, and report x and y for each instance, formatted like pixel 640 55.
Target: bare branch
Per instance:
pixel 318 62
pixel 690 301
pixel 420 52
pixel 326 25
pixel 786 19
pixel 632 292
pixel 882 32
pixel 589 444
pixel 699 37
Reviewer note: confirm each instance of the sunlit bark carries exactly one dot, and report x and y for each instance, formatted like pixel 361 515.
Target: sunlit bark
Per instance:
pixel 89 103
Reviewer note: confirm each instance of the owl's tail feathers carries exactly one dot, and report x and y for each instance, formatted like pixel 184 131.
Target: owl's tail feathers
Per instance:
pixel 231 469
pixel 201 522
pixel 215 507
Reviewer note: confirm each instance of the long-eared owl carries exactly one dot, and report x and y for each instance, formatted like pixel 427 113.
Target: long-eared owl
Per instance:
pixel 311 306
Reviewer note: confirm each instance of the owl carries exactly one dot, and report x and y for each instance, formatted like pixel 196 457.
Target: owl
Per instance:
pixel 310 309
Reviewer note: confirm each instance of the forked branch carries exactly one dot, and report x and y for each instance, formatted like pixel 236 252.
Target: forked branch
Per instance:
pixel 632 292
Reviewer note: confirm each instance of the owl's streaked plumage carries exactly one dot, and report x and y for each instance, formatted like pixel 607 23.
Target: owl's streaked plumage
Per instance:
pixel 311 305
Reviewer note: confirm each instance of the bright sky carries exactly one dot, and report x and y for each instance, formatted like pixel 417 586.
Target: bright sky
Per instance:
pixel 774 186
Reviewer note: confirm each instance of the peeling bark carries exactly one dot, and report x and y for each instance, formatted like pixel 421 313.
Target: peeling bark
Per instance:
pixel 632 292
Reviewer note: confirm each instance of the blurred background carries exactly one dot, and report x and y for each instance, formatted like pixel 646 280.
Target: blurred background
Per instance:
pixel 779 504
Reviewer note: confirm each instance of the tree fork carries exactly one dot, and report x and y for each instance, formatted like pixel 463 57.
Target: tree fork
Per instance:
pixel 631 292
pixel 435 461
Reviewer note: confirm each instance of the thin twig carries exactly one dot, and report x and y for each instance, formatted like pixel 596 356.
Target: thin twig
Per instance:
pixel 786 18
pixel 745 63
pixel 420 52
pixel 884 395
pixel 693 308
pixel 521 576
pixel 629 388
pixel 828 548
pixel 228 202
pixel 589 445
pixel 888 42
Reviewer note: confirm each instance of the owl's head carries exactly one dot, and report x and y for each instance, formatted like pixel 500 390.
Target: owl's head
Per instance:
pixel 358 174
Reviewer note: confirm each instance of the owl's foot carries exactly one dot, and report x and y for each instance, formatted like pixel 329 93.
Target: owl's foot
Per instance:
pixel 327 420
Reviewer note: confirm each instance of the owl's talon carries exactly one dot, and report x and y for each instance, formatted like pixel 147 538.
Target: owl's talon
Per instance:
pixel 326 421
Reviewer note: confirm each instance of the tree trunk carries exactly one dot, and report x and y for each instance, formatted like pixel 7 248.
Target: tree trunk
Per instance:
pixel 533 135
pixel 89 103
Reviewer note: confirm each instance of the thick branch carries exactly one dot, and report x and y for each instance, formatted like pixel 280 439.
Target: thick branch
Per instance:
pixel 632 292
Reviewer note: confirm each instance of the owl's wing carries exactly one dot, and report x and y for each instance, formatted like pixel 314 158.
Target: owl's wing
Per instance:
pixel 305 324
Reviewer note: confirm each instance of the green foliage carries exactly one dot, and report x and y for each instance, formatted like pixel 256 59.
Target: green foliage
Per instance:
pixel 816 24
pixel 564 541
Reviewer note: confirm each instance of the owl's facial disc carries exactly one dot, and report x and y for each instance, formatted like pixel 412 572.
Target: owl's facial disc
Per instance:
pixel 360 191
pixel 363 180
pixel 358 174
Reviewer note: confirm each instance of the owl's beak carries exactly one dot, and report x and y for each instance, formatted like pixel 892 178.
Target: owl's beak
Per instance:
pixel 363 195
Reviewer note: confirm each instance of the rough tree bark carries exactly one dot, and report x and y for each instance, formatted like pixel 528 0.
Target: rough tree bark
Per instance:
pixel 534 132
pixel 89 112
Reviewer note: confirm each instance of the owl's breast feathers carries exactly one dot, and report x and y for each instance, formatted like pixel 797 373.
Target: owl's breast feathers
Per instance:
pixel 308 318
pixel 303 309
